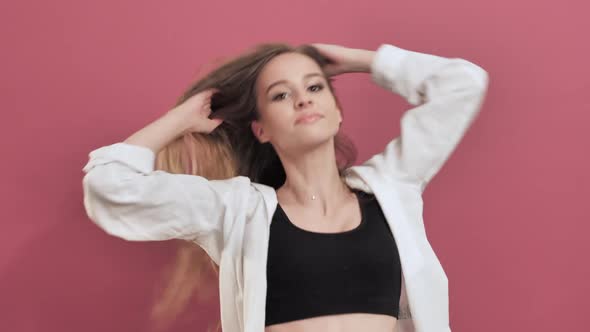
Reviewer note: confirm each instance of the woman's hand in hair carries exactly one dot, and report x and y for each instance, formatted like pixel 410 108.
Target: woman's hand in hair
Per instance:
pixel 344 59
pixel 196 111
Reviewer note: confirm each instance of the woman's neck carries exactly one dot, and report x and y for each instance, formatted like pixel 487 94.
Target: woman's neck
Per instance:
pixel 313 179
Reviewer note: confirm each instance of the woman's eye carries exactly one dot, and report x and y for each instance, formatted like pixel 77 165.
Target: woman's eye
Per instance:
pixel 279 96
pixel 283 95
pixel 316 87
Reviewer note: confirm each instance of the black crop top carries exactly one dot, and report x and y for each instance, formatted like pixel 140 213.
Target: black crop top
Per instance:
pixel 313 274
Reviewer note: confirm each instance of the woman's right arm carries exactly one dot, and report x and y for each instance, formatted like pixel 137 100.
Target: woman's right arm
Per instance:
pixel 127 198
pixel 190 116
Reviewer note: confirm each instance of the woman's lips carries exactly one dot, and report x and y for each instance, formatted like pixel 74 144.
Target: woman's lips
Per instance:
pixel 309 118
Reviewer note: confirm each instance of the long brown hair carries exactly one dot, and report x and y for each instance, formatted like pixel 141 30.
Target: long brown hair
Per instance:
pixel 230 150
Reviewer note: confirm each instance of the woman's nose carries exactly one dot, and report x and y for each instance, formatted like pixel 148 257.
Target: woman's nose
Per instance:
pixel 303 102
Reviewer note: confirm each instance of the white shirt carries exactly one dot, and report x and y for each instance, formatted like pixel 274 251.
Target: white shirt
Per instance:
pixel 230 219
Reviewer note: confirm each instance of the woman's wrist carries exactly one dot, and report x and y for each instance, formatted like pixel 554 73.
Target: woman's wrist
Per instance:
pixel 362 61
pixel 180 118
pixel 162 131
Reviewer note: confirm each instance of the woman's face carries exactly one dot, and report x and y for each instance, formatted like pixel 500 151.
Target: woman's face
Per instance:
pixel 297 109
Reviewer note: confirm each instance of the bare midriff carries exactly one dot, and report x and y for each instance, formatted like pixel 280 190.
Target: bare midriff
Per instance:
pixel 338 323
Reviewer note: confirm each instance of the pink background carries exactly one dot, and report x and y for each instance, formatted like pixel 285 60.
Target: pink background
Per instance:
pixel 507 215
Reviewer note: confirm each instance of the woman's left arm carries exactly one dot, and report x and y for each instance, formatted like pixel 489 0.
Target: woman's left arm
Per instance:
pixel 447 92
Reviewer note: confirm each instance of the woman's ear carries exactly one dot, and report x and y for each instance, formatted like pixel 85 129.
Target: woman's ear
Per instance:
pixel 339 110
pixel 258 131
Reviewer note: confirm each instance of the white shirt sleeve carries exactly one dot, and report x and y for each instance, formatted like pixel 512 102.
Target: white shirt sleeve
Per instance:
pixel 127 198
pixel 448 93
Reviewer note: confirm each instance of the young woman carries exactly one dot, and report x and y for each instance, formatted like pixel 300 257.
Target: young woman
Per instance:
pixel 251 166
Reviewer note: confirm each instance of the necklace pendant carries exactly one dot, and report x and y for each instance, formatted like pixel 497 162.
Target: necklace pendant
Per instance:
pixel 313 197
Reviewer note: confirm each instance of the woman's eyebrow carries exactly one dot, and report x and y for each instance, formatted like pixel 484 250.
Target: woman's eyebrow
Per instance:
pixel 284 81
